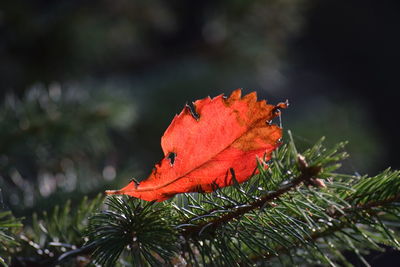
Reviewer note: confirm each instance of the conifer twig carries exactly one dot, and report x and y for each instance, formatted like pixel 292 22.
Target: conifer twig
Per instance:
pixel 366 207
pixel 306 174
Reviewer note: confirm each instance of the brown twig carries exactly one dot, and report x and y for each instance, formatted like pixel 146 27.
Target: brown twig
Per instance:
pixel 283 250
pixel 327 231
pixel 306 174
pixel 377 203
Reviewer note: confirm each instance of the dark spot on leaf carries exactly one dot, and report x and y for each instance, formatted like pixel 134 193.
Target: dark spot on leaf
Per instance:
pixel 171 156
pixel 192 109
pixel 198 189
pixel 135 181
pixel 235 181
pixel 214 185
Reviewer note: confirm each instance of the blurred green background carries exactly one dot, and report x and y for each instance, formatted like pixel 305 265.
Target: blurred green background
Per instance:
pixel 88 87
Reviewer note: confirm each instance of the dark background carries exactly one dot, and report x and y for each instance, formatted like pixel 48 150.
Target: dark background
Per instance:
pixel 88 87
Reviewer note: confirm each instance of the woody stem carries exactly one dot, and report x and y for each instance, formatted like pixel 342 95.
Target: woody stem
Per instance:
pixel 306 174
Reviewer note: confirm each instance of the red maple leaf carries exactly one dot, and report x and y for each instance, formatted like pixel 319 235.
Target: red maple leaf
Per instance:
pixel 210 146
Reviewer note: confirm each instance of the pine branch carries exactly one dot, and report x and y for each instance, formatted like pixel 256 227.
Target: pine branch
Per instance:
pixel 292 234
pixel 307 174
pixel 350 214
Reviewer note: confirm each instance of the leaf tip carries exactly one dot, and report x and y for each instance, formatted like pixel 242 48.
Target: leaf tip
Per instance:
pixel 236 94
pixel 113 192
